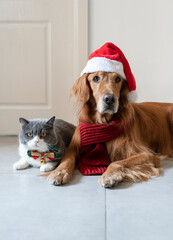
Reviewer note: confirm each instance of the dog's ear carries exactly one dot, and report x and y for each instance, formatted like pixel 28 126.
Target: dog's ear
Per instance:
pixel 124 93
pixel 80 89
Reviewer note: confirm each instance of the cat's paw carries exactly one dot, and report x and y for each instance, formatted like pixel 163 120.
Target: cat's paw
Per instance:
pixel 59 177
pixel 46 167
pixel 20 165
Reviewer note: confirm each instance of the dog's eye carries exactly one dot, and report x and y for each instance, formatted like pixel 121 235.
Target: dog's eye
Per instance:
pixel 117 79
pixel 96 79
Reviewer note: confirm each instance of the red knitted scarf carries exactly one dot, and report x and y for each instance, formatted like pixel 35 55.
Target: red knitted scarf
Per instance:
pixel 93 156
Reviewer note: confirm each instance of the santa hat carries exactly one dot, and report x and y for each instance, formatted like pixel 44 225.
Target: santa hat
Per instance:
pixel 109 58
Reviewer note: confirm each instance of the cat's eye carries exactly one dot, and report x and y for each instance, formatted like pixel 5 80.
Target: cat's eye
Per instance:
pixel 117 79
pixel 96 79
pixel 29 134
pixel 43 134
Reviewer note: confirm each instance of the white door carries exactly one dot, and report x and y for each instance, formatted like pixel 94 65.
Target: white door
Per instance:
pixel 40 57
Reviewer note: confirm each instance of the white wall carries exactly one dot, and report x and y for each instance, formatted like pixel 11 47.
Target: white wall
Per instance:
pixel 143 29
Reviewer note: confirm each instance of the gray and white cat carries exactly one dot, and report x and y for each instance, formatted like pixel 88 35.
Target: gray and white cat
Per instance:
pixel 42 138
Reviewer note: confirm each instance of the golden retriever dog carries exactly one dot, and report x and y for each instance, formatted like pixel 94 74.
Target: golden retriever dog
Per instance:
pixel 135 154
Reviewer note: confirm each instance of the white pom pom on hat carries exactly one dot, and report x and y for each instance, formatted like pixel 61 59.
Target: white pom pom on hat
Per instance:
pixel 109 58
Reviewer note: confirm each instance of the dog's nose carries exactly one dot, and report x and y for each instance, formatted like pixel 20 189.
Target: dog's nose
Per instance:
pixel 109 99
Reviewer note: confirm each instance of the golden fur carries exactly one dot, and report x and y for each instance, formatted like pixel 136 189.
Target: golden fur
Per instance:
pixel 135 154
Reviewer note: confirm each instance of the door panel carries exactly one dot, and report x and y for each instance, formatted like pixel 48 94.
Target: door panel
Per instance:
pixel 24 63
pixel 38 44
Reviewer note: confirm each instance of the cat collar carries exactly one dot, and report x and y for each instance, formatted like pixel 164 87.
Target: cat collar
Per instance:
pixel 51 154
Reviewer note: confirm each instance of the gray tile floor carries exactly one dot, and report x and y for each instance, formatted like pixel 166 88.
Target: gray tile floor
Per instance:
pixel 31 208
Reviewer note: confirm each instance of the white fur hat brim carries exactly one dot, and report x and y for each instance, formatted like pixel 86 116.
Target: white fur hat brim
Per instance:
pixel 103 64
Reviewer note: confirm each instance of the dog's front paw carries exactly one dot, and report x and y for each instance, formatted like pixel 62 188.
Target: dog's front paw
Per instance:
pixel 108 180
pixel 59 177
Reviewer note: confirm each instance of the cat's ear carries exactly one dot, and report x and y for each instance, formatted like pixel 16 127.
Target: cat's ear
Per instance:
pixel 23 121
pixel 51 120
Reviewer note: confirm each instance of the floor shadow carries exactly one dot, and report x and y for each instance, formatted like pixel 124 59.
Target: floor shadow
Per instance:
pixel 166 165
pixel 121 185
pixel 75 180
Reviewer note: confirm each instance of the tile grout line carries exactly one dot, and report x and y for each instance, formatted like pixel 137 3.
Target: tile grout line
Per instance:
pixel 105 217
